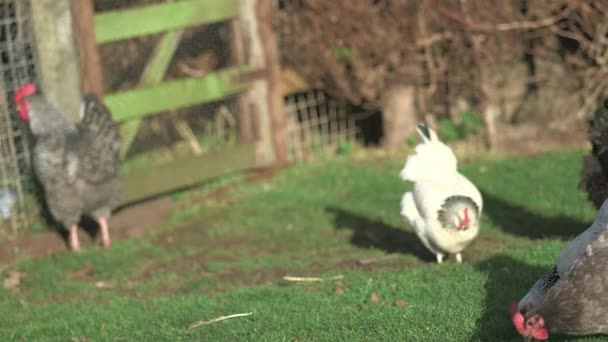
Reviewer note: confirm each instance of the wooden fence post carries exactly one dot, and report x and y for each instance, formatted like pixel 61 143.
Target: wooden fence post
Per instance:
pixel 247 132
pixel 264 101
pixel 91 73
pixel 58 62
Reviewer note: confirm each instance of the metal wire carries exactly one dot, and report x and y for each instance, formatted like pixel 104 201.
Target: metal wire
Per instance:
pixel 17 66
pixel 317 123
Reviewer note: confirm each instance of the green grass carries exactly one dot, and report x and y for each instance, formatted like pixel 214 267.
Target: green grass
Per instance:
pixel 229 256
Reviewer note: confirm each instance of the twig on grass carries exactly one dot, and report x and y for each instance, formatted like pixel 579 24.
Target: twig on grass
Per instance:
pixel 372 260
pixel 221 318
pixel 311 279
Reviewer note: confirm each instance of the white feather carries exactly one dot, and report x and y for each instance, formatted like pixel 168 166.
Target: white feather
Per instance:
pixel 433 169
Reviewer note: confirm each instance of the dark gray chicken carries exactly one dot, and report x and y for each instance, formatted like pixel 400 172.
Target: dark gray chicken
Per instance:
pixel 571 297
pixel 77 164
pixel 594 174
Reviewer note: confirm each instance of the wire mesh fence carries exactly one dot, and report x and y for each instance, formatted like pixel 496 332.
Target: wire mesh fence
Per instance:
pixel 316 124
pixel 17 66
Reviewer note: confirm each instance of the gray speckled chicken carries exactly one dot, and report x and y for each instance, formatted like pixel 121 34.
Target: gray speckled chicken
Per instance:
pixel 77 164
pixel 571 297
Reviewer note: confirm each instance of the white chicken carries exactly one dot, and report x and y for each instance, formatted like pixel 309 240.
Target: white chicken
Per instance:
pixel 444 207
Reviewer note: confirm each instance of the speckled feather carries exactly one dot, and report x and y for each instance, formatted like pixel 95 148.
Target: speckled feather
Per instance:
pixel 77 164
pixel 576 303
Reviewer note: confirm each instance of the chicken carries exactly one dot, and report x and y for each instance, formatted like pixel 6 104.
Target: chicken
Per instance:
pixel 444 207
pixel 77 164
pixel 571 297
pixel 594 174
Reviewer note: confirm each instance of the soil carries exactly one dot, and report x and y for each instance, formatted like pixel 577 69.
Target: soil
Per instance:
pixel 129 223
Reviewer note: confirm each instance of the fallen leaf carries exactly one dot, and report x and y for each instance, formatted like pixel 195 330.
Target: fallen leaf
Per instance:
pixel 103 285
pixel 374 298
pixel 401 303
pixel 13 280
pixel 339 290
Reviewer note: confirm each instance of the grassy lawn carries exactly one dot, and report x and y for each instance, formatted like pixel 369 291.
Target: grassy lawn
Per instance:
pixel 229 256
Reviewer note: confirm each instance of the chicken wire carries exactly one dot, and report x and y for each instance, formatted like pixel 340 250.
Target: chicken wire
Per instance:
pixel 317 123
pixel 17 66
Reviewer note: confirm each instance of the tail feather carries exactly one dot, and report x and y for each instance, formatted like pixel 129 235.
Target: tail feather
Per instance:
pixel 100 141
pixel 594 173
pixel 598 133
pixel 96 114
pixel 594 181
pixel 97 120
pixel 409 210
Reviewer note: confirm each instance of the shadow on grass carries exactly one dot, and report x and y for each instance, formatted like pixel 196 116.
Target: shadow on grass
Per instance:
pixel 518 220
pixel 373 233
pixel 508 280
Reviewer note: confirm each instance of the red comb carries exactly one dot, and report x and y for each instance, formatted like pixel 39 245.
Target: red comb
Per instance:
pixel 26 89
pixel 518 321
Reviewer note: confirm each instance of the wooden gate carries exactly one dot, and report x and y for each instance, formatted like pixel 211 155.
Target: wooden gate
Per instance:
pixel 254 75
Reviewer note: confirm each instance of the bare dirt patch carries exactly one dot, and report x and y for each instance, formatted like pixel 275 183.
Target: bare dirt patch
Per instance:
pixel 128 223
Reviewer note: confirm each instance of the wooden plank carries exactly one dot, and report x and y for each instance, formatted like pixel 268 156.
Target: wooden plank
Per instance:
pixel 122 24
pixel 161 58
pixel 153 74
pixel 265 13
pixel 91 75
pixel 264 100
pixel 247 132
pixel 138 103
pixel 183 172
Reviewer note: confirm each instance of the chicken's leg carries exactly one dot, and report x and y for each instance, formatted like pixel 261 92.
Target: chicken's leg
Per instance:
pixel 458 258
pixel 73 238
pixel 439 258
pixel 105 232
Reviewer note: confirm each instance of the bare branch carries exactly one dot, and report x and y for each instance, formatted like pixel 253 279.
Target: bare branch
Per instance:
pixel 516 25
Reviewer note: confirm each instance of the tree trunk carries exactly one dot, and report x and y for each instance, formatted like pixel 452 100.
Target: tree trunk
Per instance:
pixel 398 116
pixel 58 62
pixel 490 114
